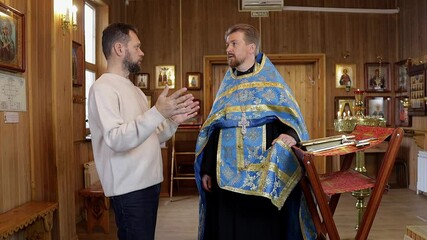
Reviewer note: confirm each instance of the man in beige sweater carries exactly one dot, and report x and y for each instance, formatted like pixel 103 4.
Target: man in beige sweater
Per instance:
pixel 127 133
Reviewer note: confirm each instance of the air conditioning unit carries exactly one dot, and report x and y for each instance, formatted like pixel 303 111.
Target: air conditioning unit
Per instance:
pixel 261 5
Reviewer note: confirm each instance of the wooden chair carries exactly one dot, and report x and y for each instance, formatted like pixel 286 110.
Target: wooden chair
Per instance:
pixel 323 191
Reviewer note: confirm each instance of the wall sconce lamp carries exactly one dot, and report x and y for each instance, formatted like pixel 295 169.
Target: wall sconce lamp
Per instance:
pixel 69 19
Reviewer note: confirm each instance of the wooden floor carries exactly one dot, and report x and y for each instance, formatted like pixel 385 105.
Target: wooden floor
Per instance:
pixel 177 220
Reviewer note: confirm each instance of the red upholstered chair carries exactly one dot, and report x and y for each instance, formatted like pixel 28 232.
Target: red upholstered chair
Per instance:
pixel 323 191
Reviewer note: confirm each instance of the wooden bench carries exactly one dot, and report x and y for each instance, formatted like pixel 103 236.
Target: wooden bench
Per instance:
pixel 416 232
pixel 96 204
pixel 35 217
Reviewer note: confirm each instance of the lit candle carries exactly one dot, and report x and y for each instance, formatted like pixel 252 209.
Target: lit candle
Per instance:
pixel 74 15
pixel 67 14
pixel 348 113
pixel 338 115
pixel 358 91
pixel 343 115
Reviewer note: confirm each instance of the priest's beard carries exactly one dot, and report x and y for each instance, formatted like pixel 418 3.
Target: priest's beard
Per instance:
pixel 132 67
pixel 233 61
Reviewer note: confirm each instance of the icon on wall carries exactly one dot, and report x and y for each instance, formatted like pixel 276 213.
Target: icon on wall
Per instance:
pixel 165 75
pixel 345 76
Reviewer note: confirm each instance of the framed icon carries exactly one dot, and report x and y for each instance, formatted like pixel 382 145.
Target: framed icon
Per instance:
pixel 193 80
pixel 401 76
pixel 142 80
pixel 77 64
pixel 402 117
pixel 165 75
pixel 377 77
pixel 344 106
pixel 12 49
pixel 379 107
pixel 345 76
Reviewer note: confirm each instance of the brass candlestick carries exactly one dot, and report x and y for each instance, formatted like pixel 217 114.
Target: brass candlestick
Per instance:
pixel 347 125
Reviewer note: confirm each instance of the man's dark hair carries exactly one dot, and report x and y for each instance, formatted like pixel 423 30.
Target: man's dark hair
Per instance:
pixel 116 32
pixel 251 34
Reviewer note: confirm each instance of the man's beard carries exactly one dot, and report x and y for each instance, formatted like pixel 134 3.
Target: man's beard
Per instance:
pixel 233 62
pixel 132 67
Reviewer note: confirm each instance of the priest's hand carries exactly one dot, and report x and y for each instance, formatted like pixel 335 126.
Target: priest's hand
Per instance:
pixel 207 183
pixel 286 139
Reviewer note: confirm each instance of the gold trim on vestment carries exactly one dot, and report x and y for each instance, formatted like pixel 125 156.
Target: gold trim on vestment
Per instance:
pixel 240 149
pixel 260 84
pixel 251 108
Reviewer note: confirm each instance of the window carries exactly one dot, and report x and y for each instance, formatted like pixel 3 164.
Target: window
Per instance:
pixel 90 52
pixel 95 19
pixel 90 33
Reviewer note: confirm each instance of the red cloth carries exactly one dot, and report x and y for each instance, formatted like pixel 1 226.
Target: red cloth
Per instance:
pixel 360 132
pixel 347 181
pixel 351 180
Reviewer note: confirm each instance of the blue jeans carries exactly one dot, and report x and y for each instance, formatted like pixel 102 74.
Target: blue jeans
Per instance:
pixel 136 213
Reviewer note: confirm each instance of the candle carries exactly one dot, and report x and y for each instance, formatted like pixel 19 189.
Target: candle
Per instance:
pixel 67 15
pixel 348 113
pixel 338 115
pixel 74 15
pixel 358 91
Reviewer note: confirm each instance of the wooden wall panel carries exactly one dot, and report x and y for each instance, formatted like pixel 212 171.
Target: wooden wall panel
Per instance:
pixel 40 83
pixel 291 33
pixel 117 8
pixel 412 25
pixel 62 132
pixel 200 26
pixel 159 31
pixel 192 31
pixel 15 185
pixel 218 16
pixel 15 164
